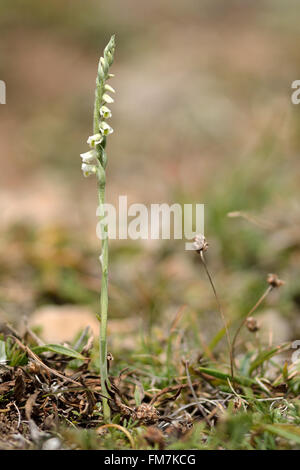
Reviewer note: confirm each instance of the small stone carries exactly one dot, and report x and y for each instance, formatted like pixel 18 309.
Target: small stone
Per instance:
pixel 52 444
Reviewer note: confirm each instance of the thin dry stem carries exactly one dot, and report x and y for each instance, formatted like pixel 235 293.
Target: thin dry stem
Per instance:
pixel 255 307
pixel 220 310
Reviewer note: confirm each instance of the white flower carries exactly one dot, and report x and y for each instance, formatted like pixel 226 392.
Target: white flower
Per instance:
pixel 89 157
pixel 88 170
pixel 105 129
pixel 107 99
pixel 94 140
pixel 105 112
pixel 109 88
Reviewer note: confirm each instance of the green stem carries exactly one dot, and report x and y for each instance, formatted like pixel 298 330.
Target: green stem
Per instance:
pixel 103 298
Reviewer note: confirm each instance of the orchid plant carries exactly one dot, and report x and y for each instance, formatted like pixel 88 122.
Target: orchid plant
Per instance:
pixel 94 163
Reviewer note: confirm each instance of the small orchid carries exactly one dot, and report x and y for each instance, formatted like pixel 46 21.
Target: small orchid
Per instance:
pixel 105 128
pixel 105 112
pixel 89 157
pixel 94 140
pixel 88 170
pixel 94 163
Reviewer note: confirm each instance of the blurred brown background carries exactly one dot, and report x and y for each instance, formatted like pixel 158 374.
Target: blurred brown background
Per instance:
pixel 202 114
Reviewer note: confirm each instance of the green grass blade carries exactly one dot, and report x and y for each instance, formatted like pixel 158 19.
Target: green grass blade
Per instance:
pixel 58 349
pixel 223 376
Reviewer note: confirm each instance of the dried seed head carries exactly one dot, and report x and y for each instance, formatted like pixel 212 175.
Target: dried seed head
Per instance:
pixel 252 325
pixel 146 414
pixel 200 243
pixel 237 404
pixel 33 367
pixel 274 281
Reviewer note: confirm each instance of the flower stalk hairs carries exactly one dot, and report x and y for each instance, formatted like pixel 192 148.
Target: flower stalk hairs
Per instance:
pixel 94 163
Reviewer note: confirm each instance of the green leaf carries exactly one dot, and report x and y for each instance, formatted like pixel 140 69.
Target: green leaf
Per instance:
pixel 223 376
pixel 58 349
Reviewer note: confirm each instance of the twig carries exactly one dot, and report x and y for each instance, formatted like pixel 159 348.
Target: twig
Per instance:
pixel 274 282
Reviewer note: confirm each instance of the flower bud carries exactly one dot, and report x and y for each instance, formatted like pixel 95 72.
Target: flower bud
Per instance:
pixel 109 88
pixel 107 98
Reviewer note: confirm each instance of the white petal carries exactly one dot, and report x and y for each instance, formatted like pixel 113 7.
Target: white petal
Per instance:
pixel 89 157
pixel 88 170
pixel 109 88
pixel 107 98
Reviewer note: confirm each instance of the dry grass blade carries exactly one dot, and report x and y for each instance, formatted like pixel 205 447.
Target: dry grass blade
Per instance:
pixel 274 282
